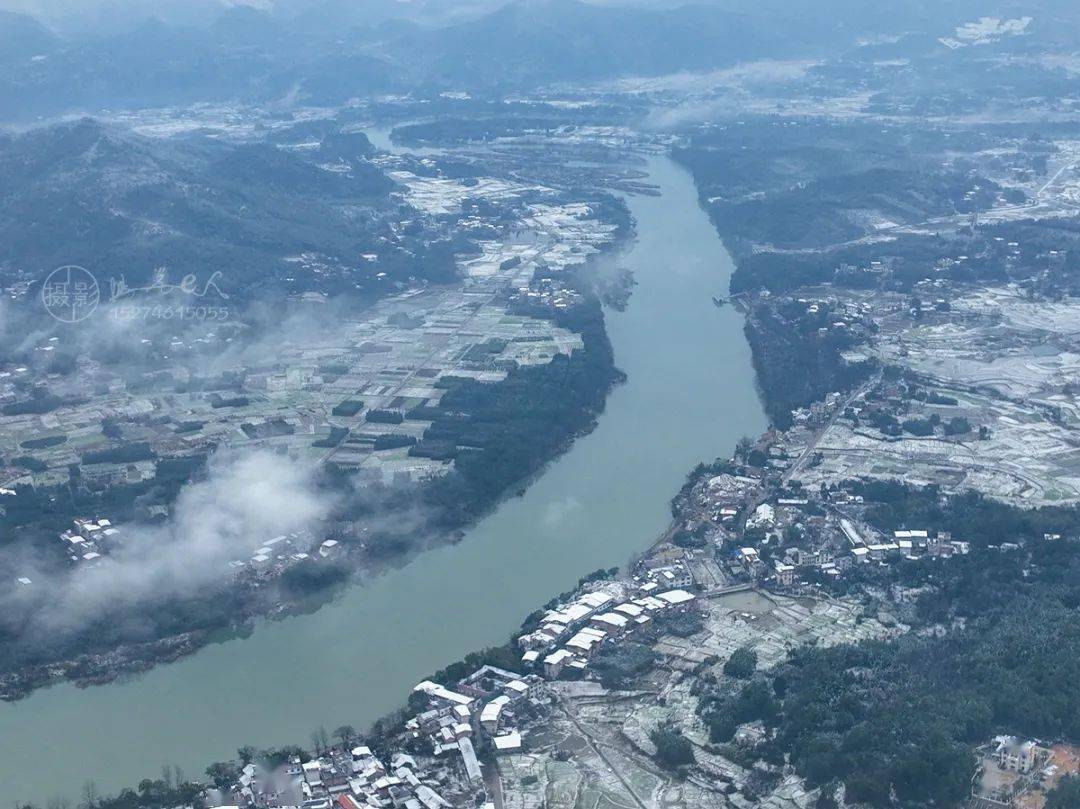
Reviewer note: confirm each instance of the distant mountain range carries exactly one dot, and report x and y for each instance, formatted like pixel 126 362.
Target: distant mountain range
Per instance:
pixel 327 51
pixel 23 37
pixel 332 52
pixel 562 40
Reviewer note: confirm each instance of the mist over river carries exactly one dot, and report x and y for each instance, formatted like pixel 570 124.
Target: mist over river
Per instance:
pixel 690 395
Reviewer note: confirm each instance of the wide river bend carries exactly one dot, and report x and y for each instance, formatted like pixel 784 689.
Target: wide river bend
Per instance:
pixel 690 395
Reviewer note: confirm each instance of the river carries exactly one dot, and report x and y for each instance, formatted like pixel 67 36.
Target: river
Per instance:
pixel 690 395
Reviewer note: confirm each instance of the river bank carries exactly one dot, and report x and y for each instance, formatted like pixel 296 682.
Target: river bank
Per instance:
pixel 689 396
pixel 517 452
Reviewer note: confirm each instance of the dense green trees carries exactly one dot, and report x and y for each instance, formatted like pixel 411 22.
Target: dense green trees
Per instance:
pixel 385 416
pixel 681 624
pixel 519 424
pixel 673 750
pixel 393 441
pixel 348 407
pixel 904 716
pixel 621 666
pixel 919 427
pixel 152 794
pixel 723 711
pixel 899 720
pixel 506 657
pixel 1066 795
pixel 798 357
pixel 968 515
pixel 741 664
pixel 957 425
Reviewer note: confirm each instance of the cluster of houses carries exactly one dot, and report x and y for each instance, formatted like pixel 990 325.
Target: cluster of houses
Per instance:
pixel 666 570
pixel 285 550
pixel 446 736
pixel 487 706
pixel 452 728
pixel 858 546
pixel 755 567
pixel 819 412
pixel 92 539
pixel 568 637
pixel 723 495
pixel 343 779
pixel 1015 754
pixel 89 540
pixel 1015 773
pixel 913 544
pixel 545 294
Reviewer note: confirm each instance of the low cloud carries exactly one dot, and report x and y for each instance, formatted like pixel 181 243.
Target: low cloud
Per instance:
pixel 244 500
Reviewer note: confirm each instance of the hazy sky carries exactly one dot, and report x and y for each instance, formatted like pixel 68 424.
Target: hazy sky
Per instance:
pixel 58 8
pixel 75 16
pixel 94 16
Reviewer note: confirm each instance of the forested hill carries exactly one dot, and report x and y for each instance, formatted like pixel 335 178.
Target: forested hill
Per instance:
pixel 120 204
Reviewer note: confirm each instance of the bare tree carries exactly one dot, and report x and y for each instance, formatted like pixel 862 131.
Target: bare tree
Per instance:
pixel 320 740
pixel 345 734
pixel 90 795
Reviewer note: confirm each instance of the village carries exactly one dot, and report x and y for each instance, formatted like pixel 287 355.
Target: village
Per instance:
pixel 532 737
pixel 597 673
